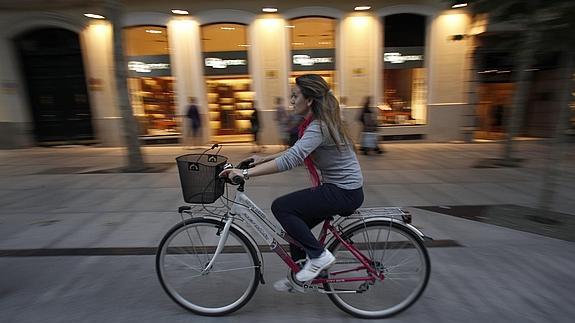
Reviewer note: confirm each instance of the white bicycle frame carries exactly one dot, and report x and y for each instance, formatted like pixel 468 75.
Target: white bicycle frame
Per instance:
pixel 246 210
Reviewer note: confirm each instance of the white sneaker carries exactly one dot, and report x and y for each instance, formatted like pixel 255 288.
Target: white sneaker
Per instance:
pixel 313 267
pixel 283 285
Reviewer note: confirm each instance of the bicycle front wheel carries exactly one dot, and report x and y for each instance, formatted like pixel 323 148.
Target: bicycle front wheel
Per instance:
pixel 396 253
pixel 181 265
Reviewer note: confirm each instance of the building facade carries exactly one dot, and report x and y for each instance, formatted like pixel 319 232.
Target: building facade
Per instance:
pixel 58 85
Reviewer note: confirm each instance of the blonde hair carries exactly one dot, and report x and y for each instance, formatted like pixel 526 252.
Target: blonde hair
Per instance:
pixel 324 106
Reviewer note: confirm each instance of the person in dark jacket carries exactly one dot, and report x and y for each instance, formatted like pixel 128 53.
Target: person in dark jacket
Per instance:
pixel 255 127
pixel 195 121
pixel 368 120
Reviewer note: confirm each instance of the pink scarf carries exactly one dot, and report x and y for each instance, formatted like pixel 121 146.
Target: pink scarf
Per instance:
pixel 307 161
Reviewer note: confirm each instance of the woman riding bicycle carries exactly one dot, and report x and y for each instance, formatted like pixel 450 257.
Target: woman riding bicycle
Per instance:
pixel 323 145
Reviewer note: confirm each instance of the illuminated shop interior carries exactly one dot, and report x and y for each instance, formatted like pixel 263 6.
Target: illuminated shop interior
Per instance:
pixel 404 75
pixel 150 82
pixel 228 84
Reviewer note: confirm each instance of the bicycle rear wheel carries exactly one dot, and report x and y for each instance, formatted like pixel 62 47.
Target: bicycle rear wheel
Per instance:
pixel 396 252
pixel 185 252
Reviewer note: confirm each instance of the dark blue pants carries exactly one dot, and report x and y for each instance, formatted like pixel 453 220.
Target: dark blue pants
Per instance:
pixel 300 211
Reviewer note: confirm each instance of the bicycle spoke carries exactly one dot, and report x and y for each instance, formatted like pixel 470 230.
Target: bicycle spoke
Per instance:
pixel 385 259
pixel 184 254
pixel 403 263
pixel 201 242
pixel 234 269
pixel 199 269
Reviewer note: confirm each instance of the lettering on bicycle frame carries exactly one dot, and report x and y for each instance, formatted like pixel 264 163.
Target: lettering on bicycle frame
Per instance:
pixel 246 215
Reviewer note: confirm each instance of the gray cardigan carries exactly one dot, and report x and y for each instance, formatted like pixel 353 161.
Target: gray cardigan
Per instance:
pixel 340 168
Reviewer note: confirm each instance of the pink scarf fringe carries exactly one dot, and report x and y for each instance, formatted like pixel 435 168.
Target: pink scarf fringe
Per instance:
pixel 307 161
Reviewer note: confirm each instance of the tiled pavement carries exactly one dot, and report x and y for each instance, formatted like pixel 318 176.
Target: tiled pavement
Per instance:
pixel 498 274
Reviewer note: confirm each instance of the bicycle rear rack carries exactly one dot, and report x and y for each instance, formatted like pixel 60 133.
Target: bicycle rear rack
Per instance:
pixel 396 213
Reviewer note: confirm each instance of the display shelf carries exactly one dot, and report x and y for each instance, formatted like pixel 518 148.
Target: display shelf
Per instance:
pixel 230 101
pixel 154 102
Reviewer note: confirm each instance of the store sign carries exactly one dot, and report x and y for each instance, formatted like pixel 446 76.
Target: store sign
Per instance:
pixel 403 57
pixel 226 63
pixel 152 65
pixel 313 59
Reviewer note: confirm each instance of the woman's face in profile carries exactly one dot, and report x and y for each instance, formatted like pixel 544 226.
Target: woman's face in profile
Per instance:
pixel 300 104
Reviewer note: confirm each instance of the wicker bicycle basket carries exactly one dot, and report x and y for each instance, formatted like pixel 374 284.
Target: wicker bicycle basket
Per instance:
pixel 199 177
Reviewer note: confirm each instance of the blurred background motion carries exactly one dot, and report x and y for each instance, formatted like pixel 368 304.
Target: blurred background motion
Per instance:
pixel 437 70
pixel 474 104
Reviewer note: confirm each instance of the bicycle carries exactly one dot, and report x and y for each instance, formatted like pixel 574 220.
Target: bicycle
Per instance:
pixel 210 264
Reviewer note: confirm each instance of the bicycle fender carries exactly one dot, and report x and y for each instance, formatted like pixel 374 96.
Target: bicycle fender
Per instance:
pixel 397 222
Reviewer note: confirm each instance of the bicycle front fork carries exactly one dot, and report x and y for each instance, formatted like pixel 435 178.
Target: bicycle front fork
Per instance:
pixel 223 238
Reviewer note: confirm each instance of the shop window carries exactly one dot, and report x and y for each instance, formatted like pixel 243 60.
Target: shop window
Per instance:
pixel 313 48
pixel 150 81
pixel 230 98
pixel 404 75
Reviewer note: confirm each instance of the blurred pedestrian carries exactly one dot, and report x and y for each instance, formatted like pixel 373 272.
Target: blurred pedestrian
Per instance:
pixel 195 123
pixel 282 119
pixel 369 128
pixel 255 127
pixel 293 128
pixel 497 115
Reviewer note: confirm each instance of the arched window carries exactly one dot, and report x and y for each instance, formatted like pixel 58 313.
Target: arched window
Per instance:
pixel 150 80
pixel 404 81
pixel 53 69
pixel 230 99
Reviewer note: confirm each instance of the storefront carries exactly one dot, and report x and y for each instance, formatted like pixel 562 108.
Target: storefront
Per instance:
pixel 150 80
pixel 228 83
pixel 401 55
pixel 496 86
pixel 313 46
pixel 404 74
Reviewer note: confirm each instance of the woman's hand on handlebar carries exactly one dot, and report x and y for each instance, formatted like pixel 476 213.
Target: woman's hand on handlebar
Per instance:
pixel 254 160
pixel 231 173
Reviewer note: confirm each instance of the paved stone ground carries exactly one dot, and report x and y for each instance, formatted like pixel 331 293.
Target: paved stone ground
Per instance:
pixel 498 274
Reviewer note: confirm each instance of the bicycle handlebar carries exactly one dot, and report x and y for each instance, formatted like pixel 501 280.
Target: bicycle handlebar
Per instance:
pixel 238 180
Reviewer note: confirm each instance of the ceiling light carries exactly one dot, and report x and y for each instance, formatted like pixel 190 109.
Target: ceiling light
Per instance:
pixel 227 28
pixel 94 16
pixel 361 8
pixel 180 12
pixel 289 26
pixel 459 5
pixel 297 44
pixel 153 31
pixel 269 9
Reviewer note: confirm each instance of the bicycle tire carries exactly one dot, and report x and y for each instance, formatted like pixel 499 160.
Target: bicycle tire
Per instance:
pixel 198 238
pixel 387 301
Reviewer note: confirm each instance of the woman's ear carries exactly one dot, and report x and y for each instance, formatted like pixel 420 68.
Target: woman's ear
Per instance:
pixel 309 102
